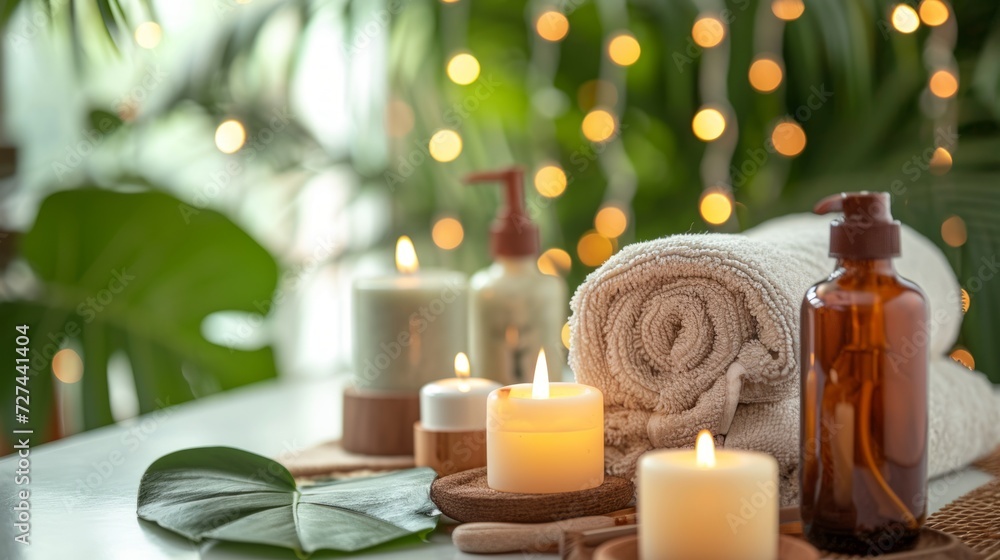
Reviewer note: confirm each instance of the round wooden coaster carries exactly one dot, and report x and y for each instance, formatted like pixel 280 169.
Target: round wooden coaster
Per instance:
pixel 466 497
pixel 627 548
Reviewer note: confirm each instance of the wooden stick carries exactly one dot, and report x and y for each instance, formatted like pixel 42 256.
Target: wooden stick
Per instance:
pixel 582 545
pixel 491 538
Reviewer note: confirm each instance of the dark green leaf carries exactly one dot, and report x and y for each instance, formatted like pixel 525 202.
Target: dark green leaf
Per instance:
pixel 139 273
pixel 232 495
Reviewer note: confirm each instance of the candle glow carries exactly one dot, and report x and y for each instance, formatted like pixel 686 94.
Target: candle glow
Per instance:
pixel 406 256
pixel 462 371
pixel 705 450
pixel 540 384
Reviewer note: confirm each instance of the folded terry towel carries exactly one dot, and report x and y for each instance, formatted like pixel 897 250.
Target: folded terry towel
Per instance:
pixel 701 331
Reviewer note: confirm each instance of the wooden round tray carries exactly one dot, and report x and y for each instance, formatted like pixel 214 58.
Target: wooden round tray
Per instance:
pixel 627 548
pixel 466 497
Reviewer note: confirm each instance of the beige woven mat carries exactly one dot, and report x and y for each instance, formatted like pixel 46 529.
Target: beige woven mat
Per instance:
pixel 329 460
pixel 974 518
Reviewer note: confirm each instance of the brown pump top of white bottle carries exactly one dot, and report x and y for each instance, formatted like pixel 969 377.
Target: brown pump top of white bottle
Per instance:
pixel 512 234
pixel 866 231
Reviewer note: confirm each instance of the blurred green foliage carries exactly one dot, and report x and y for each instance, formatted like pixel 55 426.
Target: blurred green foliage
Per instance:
pixel 858 87
pixel 135 273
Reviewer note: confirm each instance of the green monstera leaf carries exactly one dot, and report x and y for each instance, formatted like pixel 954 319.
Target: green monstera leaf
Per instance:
pixel 232 495
pixel 136 273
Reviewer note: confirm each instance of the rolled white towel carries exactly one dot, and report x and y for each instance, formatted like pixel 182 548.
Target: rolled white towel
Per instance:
pixel 701 331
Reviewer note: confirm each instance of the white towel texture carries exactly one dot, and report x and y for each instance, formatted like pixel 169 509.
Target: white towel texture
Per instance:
pixel 701 331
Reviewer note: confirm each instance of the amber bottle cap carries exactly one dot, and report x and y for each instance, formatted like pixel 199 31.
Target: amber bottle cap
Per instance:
pixel 866 231
pixel 512 234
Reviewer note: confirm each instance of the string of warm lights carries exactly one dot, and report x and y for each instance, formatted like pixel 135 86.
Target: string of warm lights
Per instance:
pixel 937 103
pixel 715 121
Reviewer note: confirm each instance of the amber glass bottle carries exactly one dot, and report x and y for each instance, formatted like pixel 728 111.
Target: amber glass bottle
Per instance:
pixel 864 389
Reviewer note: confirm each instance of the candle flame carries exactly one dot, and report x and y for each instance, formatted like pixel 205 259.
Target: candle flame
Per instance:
pixel 540 385
pixel 462 371
pixel 705 450
pixel 406 256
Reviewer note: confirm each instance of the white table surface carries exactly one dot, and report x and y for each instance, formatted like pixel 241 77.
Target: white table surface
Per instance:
pixel 83 508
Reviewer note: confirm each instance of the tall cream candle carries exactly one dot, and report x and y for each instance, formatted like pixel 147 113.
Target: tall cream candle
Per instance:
pixel 703 504
pixel 544 438
pixel 407 327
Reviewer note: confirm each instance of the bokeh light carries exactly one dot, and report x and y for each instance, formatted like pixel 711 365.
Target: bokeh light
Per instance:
pixel 230 136
pixel 788 138
pixel 67 366
pixel 964 357
pixel 398 118
pixel 555 262
pixel 593 249
pixel 940 161
pixel 716 207
pixel 148 34
pixel 598 125
pixel 943 84
pixel 550 181
pixel 708 32
pixel 552 26
pixel 788 10
pixel 905 19
pixel 611 221
pixel 966 301
pixel 765 75
pixel 933 12
pixel 708 124
pixel 565 335
pixel 624 50
pixel 953 231
pixel 447 233
pixel 445 145
pixel 463 69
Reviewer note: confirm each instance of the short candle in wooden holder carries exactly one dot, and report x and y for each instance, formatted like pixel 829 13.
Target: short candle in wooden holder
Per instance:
pixel 467 497
pixel 448 452
pixel 451 434
pixel 379 423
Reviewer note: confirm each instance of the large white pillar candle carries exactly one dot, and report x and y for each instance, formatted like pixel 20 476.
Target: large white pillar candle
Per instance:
pixel 703 504
pixel 407 327
pixel 544 438
pixel 456 404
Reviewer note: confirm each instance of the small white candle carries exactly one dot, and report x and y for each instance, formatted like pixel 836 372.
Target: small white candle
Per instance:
pixel 458 403
pixel 544 438
pixel 408 326
pixel 703 504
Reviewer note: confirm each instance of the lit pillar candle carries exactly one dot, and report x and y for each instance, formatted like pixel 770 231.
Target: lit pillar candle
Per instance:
pixel 703 504
pixel 544 438
pixel 407 327
pixel 458 403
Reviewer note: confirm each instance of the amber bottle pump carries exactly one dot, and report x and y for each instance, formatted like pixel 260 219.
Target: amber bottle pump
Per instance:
pixel 864 389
